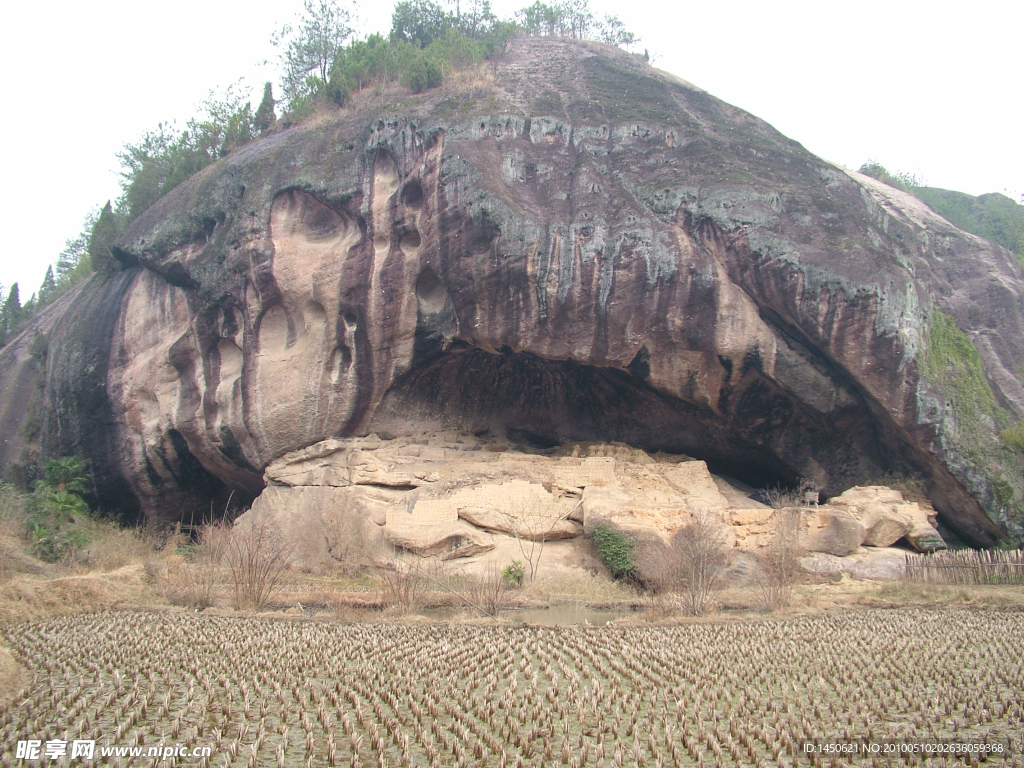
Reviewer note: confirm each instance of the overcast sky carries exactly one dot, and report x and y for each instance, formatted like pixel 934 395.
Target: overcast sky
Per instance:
pixel 922 87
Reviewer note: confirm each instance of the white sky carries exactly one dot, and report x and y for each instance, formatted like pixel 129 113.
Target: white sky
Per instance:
pixel 922 87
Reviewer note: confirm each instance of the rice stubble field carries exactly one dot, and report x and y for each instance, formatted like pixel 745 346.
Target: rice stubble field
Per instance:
pixel 279 692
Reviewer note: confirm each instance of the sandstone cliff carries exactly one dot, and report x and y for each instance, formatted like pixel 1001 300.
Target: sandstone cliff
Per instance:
pixel 454 497
pixel 575 248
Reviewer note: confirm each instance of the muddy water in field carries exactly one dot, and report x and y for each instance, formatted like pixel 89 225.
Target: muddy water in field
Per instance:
pixel 552 616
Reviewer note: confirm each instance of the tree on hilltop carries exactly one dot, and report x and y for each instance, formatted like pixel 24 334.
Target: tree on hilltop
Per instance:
pixel 265 116
pixel 48 290
pixel 308 51
pixel 10 313
pixel 614 32
pixel 420 22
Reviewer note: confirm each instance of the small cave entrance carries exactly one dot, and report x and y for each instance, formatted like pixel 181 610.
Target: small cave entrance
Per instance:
pixel 197 496
pixel 539 404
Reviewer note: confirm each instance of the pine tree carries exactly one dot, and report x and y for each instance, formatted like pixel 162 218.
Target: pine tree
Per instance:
pixel 104 233
pixel 48 290
pixel 10 315
pixel 265 116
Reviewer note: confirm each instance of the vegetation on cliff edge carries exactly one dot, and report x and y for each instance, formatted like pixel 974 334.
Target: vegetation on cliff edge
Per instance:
pixel 992 216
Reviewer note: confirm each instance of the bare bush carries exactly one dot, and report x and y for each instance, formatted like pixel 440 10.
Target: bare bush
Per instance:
pixel 257 556
pixel 193 579
pixel 657 566
pixel 532 525
pixel 700 551
pixel 401 584
pixel 779 563
pixel 489 591
pixel 690 565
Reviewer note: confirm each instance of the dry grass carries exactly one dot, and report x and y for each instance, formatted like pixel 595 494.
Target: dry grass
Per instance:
pixel 903 594
pixel 578 586
pixel 114 547
pixel 14 560
pixel 266 692
pixel 110 573
pixel 460 81
pixel 33 598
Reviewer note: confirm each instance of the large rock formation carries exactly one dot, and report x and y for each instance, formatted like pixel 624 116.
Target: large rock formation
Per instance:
pixel 576 248
pixel 458 498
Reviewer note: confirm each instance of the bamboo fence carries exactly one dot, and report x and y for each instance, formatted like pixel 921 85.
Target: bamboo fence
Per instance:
pixel 967 566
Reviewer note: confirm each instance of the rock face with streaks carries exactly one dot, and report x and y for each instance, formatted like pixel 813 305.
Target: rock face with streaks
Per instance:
pixel 581 249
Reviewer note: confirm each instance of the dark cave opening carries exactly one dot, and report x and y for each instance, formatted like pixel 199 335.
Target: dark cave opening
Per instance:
pixel 762 433
pixel 539 404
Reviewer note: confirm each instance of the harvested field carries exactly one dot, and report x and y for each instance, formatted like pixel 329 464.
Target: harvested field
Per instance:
pixel 276 692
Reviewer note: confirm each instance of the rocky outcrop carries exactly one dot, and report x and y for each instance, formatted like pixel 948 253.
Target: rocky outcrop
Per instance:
pixel 476 503
pixel 832 531
pixel 887 518
pixel 322 525
pixel 448 540
pixel 586 250
pixel 450 495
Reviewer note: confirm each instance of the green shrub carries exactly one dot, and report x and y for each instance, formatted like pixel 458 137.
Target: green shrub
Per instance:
pixel 1002 491
pixel 38 348
pixel 58 518
pixel 338 87
pixel 1014 436
pixel 456 51
pixel 265 116
pixel 905 181
pixel 57 524
pixel 993 216
pixel 615 550
pixel 513 574
pixel 423 73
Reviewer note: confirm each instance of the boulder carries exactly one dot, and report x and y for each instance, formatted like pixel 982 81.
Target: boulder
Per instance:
pixel 874 563
pixel 878 563
pixel 823 564
pixel 884 525
pixel 887 517
pixel 320 526
pixel 833 531
pixel 925 537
